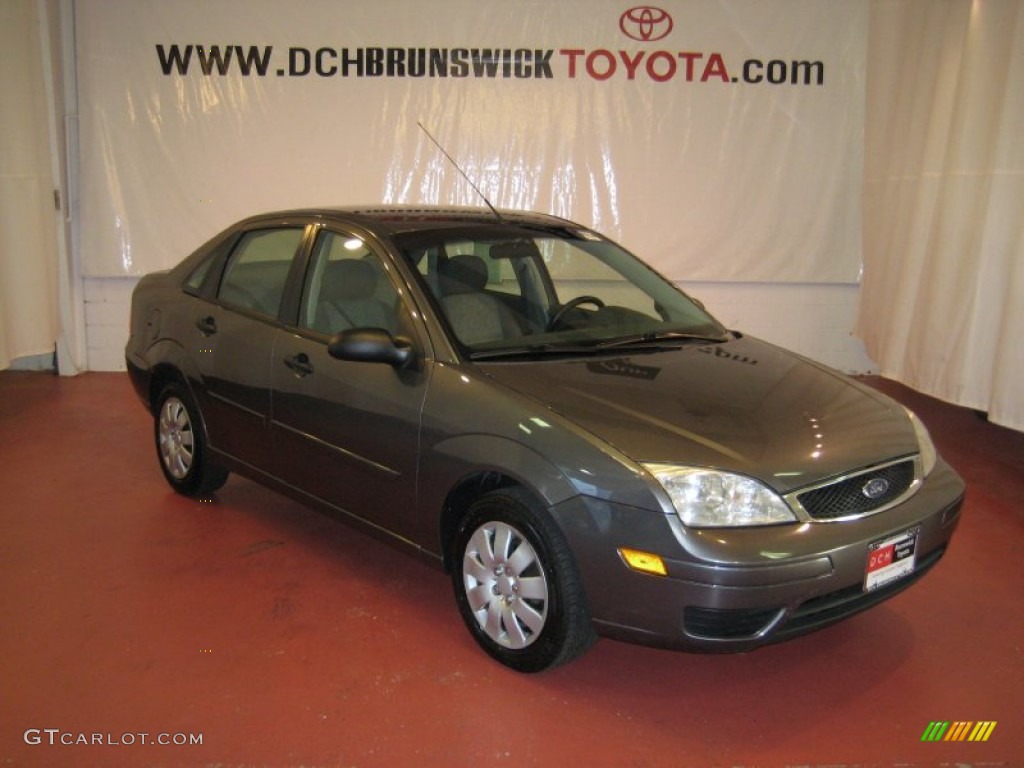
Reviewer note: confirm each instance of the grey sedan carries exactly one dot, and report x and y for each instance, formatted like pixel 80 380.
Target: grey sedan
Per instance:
pixel 518 399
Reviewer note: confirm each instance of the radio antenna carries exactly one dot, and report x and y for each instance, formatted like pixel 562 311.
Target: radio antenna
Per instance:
pixel 457 168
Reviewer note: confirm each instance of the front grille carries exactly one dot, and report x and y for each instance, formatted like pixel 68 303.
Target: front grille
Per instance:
pixel 847 497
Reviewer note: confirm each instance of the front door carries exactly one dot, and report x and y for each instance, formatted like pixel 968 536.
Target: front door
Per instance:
pixel 347 432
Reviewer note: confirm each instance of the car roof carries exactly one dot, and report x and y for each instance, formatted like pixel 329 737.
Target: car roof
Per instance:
pixel 394 219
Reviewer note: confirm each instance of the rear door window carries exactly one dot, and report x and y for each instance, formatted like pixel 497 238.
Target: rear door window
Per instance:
pixel 255 275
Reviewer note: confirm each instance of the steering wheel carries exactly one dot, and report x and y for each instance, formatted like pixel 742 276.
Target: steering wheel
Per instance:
pixel 570 305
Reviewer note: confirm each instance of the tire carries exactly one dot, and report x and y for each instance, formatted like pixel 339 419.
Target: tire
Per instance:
pixel 516 583
pixel 181 446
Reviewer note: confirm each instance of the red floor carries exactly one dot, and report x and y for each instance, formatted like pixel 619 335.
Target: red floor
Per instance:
pixel 282 638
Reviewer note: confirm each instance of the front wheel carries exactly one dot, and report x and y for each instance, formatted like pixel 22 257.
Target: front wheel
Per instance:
pixel 516 583
pixel 181 445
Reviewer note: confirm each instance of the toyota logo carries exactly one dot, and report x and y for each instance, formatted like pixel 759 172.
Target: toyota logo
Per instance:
pixel 645 23
pixel 875 487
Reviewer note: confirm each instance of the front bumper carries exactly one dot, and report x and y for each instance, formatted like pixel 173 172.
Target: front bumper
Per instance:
pixel 737 589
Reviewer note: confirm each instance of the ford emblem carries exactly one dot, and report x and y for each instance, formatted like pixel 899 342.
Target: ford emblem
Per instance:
pixel 875 487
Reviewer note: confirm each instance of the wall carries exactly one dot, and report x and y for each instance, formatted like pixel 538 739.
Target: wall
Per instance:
pixel 814 320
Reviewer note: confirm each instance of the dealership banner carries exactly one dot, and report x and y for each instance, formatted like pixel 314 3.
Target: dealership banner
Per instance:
pixel 718 140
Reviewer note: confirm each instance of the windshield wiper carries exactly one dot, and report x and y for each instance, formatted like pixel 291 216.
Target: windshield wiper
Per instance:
pixel 646 340
pixel 658 337
pixel 532 349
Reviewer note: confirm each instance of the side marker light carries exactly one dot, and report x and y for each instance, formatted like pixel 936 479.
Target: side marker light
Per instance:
pixel 644 562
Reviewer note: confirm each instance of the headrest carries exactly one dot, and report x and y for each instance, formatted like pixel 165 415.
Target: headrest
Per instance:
pixel 350 279
pixel 462 274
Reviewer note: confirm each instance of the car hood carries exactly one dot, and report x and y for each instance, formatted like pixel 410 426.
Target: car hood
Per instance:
pixel 742 405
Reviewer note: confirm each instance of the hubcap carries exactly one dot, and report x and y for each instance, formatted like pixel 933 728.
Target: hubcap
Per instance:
pixel 505 585
pixel 176 440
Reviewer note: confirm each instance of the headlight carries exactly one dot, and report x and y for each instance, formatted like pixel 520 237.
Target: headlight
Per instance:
pixel 924 442
pixel 704 498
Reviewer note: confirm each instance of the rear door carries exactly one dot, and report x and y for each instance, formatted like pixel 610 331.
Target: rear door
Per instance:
pixel 348 432
pixel 236 333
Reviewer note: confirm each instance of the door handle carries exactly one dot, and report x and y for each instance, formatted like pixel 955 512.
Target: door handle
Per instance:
pixel 207 325
pixel 299 364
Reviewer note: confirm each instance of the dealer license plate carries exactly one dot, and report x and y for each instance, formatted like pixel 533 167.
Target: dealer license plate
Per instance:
pixel 891 559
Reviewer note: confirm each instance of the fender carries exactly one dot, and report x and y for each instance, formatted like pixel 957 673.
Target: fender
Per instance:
pixel 456 469
pixel 472 454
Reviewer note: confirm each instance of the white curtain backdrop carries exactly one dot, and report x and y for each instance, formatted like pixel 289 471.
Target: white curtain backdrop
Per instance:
pixel 29 316
pixel 747 168
pixel 942 298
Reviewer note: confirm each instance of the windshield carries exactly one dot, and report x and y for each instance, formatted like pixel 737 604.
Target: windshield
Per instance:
pixel 516 290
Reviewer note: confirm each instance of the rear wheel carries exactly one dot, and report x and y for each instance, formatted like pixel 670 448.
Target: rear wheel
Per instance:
pixel 516 583
pixel 181 445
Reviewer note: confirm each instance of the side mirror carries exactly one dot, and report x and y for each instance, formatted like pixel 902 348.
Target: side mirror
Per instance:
pixel 371 345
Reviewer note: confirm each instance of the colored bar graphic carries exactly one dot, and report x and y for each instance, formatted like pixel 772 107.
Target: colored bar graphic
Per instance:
pixel 958 731
pixel 961 730
pixel 982 731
